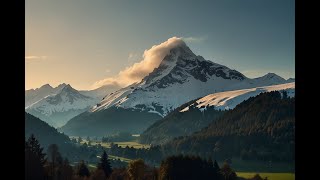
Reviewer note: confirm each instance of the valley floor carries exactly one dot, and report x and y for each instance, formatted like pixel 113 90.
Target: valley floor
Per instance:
pixel 270 176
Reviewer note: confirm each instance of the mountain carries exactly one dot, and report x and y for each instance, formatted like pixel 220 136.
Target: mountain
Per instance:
pixel 260 128
pixel 34 95
pixel 291 80
pixel 110 121
pixel 178 123
pixel 181 77
pixel 57 109
pixel 197 114
pixel 48 135
pixel 43 132
pixel 268 80
pixel 229 99
pixel 100 92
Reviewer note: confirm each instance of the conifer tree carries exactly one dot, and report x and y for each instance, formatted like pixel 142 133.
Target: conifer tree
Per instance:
pixel 83 170
pixel 34 146
pixel 105 164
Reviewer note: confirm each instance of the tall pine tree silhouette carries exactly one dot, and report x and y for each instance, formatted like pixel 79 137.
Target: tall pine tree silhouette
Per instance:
pixel 33 146
pixel 83 170
pixel 105 164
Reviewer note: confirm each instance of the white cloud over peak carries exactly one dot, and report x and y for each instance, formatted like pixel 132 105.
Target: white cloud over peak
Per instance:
pixel 151 59
pixel 194 39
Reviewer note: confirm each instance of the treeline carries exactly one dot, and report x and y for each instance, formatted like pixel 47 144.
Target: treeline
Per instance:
pixel 152 155
pixel 179 123
pixel 260 128
pixel 52 166
pixel 118 137
pixel 47 135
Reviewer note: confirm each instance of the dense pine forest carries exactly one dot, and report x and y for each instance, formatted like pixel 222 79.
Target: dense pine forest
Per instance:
pixel 260 128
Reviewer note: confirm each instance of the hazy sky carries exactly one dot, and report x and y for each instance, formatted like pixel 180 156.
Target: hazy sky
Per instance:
pixel 81 42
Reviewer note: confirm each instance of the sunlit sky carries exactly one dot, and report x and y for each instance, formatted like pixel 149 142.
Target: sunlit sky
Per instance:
pixel 81 42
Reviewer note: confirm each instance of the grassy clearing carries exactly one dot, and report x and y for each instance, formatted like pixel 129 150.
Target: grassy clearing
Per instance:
pixel 121 144
pixel 132 144
pixel 270 176
pixel 121 158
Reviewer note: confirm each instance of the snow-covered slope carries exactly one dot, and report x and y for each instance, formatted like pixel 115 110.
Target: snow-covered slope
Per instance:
pixel 57 109
pixel 229 100
pixel 34 95
pixel 100 92
pixel 291 80
pixel 181 76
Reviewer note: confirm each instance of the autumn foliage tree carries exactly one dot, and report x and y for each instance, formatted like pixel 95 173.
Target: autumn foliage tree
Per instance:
pixel 136 169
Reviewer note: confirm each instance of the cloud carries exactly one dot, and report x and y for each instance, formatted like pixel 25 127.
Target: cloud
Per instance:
pixel 35 58
pixel 133 56
pixel 194 39
pixel 151 59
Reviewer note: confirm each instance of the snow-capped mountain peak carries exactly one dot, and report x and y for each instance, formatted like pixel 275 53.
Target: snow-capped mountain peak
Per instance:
pixel 271 76
pixel 181 64
pixel 56 109
pixel 46 86
pixel 181 77
pixel 34 95
pixel 68 89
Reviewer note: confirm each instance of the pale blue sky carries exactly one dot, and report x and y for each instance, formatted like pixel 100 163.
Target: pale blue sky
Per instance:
pixel 81 41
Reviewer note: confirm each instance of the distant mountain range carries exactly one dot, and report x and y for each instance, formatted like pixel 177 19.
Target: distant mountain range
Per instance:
pixel 57 109
pixel 58 105
pixel 34 95
pixel 181 77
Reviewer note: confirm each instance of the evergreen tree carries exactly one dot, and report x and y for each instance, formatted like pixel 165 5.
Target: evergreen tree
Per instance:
pixel 105 164
pixel 33 168
pixel 55 160
pixel 83 170
pixel 33 165
pixel 34 146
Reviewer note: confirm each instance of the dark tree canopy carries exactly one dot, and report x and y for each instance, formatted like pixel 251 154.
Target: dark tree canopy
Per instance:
pixel 261 128
pixel 33 145
pixel 83 170
pixel 187 167
pixel 105 164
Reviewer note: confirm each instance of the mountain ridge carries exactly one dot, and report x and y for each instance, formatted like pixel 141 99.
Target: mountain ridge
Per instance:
pixel 180 77
pixel 181 70
pixel 57 109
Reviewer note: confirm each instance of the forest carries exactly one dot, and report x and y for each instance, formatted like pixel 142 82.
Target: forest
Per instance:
pixel 52 165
